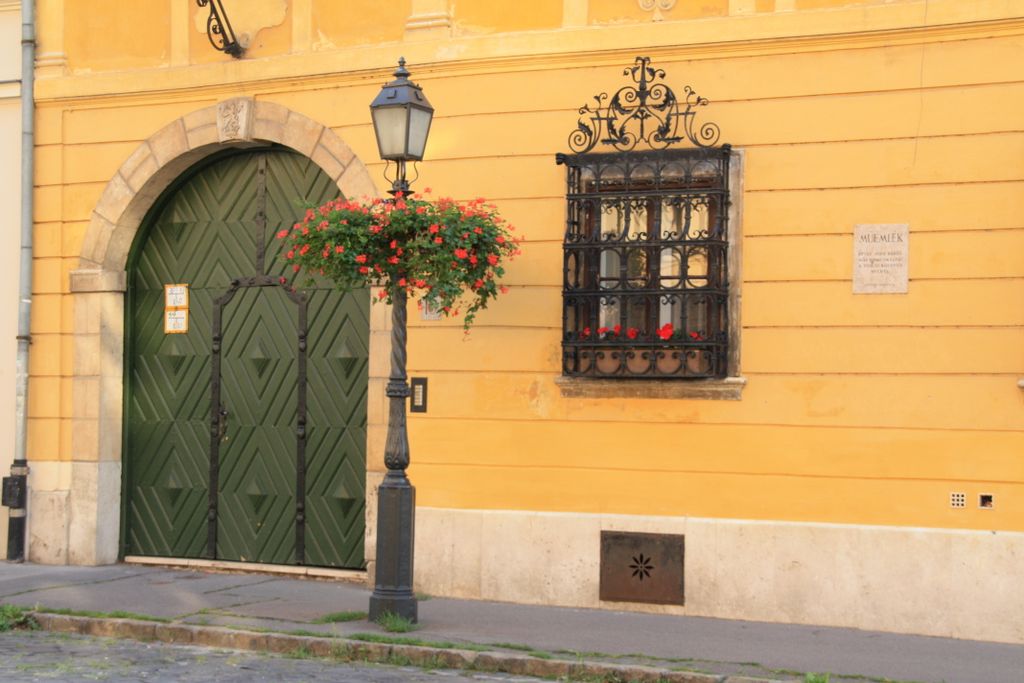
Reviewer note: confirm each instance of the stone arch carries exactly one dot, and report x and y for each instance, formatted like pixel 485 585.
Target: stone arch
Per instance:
pixel 158 161
pixel 92 508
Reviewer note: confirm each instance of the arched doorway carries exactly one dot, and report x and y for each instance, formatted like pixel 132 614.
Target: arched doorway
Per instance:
pixel 245 435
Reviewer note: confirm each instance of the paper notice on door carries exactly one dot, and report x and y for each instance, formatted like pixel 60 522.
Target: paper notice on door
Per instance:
pixel 175 296
pixel 176 322
pixel 175 309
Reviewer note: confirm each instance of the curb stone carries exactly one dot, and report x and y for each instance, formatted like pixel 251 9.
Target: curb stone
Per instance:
pixel 381 653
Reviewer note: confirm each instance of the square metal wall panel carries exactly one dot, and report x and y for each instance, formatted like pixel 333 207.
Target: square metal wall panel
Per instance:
pixel 639 567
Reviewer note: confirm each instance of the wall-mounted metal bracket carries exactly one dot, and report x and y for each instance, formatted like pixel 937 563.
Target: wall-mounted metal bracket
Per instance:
pixel 219 31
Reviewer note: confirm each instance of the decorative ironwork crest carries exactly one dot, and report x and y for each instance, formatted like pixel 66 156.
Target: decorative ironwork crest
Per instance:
pixel 219 31
pixel 646 112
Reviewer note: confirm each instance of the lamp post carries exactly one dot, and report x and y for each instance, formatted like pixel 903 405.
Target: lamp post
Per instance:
pixel 401 120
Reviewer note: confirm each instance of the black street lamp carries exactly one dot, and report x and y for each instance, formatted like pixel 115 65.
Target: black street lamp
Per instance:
pixel 401 120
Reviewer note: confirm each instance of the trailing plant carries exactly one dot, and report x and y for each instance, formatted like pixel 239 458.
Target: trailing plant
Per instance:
pixel 449 253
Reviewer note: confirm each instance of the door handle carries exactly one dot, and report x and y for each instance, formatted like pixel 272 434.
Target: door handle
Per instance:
pixel 222 428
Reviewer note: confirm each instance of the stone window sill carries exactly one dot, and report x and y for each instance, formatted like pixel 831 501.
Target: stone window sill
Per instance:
pixel 728 389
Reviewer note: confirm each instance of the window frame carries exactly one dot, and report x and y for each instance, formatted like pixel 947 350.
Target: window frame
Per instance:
pixel 727 382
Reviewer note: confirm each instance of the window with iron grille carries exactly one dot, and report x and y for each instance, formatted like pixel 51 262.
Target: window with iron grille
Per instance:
pixel 645 288
pixel 645 265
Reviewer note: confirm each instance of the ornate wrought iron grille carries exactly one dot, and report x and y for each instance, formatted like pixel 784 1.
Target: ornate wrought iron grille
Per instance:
pixel 219 31
pixel 647 112
pixel 645 279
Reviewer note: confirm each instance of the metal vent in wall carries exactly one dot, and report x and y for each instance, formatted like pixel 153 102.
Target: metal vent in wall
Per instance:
pixel 957 500
pixel 639 567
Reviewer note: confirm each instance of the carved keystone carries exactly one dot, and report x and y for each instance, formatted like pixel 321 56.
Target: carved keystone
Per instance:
pixel 234 119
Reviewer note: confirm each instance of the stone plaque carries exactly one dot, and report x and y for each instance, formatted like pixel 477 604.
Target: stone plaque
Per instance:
pixel 880 258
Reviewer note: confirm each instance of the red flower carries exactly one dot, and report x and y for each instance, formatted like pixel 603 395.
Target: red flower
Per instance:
pixel 585 333
pixel 361 258
pixel 666 332
pixel 290 255
pixel 434 228
pixel 375 229
pixel 305 248
pixel 478 284
pixel 394 244
pixel 632 332
pixel 339 249
pixel 281 235
pixel 401 282
pixel 393 260
pixel 617 330
pixel 296 267
pixel 492 259
pixel 438 240
pixel 499 239
pixel 282 279
pixel 696 336
pixel 601 331
pixel 363 270
pixel 461 253
pixel 473 260
pixel 421 283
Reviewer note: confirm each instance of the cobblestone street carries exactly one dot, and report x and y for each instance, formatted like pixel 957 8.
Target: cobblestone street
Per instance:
pixel 39 656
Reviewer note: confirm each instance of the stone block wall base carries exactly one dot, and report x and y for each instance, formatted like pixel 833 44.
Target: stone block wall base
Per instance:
pixel 49 515
pixel 77 523
pixel 937 582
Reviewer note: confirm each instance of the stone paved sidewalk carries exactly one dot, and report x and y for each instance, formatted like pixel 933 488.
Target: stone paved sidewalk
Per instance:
pixel 716 646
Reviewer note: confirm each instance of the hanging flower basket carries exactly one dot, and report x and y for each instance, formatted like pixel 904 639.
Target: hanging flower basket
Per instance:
pixel 449 253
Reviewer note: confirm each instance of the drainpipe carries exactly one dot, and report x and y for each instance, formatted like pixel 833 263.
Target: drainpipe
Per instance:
pixel 15 487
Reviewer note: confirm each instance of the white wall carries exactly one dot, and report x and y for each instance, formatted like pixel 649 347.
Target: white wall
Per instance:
pixel 10 228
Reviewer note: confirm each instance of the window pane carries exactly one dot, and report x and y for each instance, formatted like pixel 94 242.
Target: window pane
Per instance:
pixel 697 267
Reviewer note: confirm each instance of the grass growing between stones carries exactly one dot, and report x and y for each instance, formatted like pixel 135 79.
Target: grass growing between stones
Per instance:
pixel 393 623
pixel 417 642
pixel 12 617
pixel 339 617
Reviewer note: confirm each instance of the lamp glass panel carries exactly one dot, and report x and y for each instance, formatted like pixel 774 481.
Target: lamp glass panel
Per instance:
pixel 390 125
pixel 419 126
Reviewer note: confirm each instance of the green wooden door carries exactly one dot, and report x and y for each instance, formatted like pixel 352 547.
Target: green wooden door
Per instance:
pixel 246 436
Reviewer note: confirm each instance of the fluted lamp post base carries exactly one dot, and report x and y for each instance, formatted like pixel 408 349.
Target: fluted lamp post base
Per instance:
pixel 396 516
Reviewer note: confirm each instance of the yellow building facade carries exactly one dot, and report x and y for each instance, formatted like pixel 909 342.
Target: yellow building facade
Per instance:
pixel 819 489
